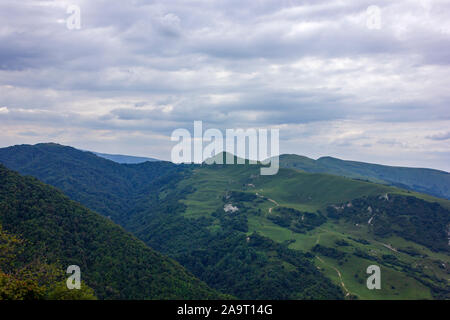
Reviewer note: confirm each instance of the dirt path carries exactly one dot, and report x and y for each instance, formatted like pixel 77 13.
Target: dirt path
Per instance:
pixel 318 239
pixel 387 246
pixel 339 274
pixel 271 200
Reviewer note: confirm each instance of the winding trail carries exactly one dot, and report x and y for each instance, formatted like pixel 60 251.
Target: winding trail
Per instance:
pixel 347 293
pixel 271 200
pixel 339 274
pixel 274 202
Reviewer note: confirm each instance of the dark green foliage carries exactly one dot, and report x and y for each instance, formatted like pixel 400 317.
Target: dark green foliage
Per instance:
pixel 104 186
pixel 409 250
pixel 342 243
pixel 328 252
pixel 295 220
pixel 408 217
pixel 255 267
pixel 362 241
pixel 332 213
pixel 389 258
pixel 236 220
pixel 22 278
pixel 112 262
pixel 361 254
pixel 237 197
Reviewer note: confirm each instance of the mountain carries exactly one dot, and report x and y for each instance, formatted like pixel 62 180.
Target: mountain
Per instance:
pixel 407 234
pixel 62 232
pixel 294 235
pixel 102 185
pixel 430 181
pixel 119 158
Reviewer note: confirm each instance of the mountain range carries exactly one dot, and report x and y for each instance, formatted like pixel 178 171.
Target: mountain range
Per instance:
pixel 430 181
pixel 305 233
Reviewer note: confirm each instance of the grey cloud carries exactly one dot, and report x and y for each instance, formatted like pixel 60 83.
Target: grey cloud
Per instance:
pixel 440 136
pixel 154 66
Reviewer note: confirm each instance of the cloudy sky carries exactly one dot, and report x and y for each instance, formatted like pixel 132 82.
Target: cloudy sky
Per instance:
pixel 360 80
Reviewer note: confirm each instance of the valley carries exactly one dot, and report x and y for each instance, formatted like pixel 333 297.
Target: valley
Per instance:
pixel 294 235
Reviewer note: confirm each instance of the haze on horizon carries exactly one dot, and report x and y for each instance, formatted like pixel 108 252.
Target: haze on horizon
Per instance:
pixel 135 71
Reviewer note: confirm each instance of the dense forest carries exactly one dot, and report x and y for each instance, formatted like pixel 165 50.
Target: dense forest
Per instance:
pixel 296 220
pixel 25 279
pixel 55 232
pixel 102 185
pixel 408 217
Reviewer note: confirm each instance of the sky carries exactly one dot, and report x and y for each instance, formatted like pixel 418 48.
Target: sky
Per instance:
pixel 358 80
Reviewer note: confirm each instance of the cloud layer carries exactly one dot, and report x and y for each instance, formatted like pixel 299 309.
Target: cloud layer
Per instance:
pixel 321 71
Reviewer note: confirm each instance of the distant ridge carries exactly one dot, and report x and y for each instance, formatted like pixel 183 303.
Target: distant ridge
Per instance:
pixel 430 181
pixel 124 159
pixel 84 176
pixel 28 158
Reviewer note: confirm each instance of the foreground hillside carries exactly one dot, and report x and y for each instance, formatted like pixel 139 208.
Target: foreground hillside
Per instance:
pixel 22 278
pixel 432 182
pixel 294 235
pixel 57 232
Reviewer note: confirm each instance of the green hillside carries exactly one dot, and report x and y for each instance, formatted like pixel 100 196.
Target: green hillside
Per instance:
pixel 217 247
pixel 60 232
pixel 292 208
pixel 102 185
pixel 432 182
pixel 265 237
pixel 22 278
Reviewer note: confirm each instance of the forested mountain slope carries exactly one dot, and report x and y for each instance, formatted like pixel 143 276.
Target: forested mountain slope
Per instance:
pixel 102 185
pixel 62 232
